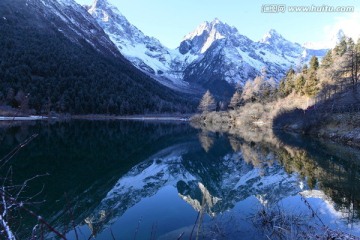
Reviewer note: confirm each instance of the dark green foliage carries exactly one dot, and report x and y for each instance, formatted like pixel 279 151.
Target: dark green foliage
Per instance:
pixel 299 84
pixel 314 64
pixel 281 90
pixel 287 84
pixel 311 86
pixel 340 49
pixel 305 69
pixel 327 60
pixel 290 73
pixel 305 82
pixel 55 74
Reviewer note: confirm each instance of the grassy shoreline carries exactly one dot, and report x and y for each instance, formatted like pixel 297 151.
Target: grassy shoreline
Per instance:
pixel 343 128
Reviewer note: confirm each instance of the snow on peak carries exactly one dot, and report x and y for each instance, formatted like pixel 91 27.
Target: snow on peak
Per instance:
pixel 281 45
pixel 215 27
pixel 102 8
pixel 272 36
pixel 145 52
pixel 208 32
pixel 216 21
pixel 100 3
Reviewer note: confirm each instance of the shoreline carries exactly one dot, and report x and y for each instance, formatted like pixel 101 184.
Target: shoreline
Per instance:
pixel 342 129
pixel 24 118
pixel 150 117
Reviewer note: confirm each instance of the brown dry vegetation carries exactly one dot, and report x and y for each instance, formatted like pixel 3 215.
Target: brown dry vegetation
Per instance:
pixel 322 99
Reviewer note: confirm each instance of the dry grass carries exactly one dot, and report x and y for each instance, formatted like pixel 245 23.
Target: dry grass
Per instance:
pixel 277 224
pixel 252 114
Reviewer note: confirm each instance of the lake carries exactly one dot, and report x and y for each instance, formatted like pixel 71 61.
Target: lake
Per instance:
pixel 168 180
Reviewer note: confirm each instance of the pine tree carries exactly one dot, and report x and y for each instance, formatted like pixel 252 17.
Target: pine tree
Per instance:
pixel 235 100
pixel 351 52
pixel 314 64
pixel 305 69
pixel 299 84
pixel 290 73
pixel 357 62
pixel 311 86
pixel 289 85
pixel 282 92
pixel 348 61
pixel 340 48
pixel 207 103
pixel 327 60
pixel 289 82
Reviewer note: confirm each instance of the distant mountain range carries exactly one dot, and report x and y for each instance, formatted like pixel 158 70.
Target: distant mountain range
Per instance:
pixel 215 185
pixel 57 56
pixel 214 56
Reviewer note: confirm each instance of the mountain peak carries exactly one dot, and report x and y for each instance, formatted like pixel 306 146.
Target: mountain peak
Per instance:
pixel 273 32
pixel 104 10
pixel 103 5
pixel 99 3
pixel 271 36
pixel 207 33
pixel 216 21
pixel 214 26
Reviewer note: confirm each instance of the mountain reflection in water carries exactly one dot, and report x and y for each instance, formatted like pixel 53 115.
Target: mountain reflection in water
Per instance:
pixel 165 180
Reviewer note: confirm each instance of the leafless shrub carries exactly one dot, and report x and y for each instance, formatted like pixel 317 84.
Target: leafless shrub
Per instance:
pixel 14 201
pixel 275 223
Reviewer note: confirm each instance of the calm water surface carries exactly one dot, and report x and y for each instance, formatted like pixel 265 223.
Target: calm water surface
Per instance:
pixel 136 180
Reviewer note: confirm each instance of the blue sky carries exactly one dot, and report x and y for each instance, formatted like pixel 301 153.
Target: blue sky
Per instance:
pixel 170 20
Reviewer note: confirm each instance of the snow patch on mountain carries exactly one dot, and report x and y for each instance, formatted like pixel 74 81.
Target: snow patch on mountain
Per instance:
pixel 207 33
pixel 146 53
pixel 225 54
pixel 236 180
pixel 212 53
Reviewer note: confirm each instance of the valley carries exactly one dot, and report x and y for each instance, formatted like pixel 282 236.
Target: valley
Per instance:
pixel 108 133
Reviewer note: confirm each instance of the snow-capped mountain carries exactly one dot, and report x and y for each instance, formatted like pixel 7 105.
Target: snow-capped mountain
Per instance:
pixel 226 57
pixel 146 53
pixel 196 183
pixel 280 44
pixel 214 56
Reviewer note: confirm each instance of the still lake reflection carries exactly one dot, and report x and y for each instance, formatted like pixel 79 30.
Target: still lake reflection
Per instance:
pixel 144 180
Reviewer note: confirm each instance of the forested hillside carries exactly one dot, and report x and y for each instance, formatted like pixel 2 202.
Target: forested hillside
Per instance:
pixel 47 65
pixel 321 98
